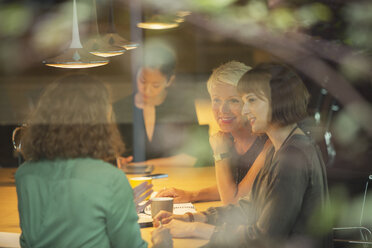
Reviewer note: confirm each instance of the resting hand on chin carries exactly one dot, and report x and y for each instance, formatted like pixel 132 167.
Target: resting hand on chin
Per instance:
pixel 221 142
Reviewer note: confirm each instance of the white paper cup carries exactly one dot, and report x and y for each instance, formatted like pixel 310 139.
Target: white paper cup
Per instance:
pixel 161 203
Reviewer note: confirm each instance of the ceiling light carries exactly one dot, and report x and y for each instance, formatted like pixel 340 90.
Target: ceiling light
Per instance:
pixel 75 56
pixel 96 45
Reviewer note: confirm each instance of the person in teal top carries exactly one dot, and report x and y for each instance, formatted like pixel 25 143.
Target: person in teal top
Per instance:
pixel 68 195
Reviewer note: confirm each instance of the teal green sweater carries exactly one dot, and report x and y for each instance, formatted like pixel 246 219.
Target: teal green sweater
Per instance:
pixel 76 203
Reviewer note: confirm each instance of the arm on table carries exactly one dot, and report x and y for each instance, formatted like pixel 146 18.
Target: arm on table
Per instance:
pixel 179 195
pixel 180 227
pixel 221 143
pixel 182 159
pixel 225 189
pixel 229 192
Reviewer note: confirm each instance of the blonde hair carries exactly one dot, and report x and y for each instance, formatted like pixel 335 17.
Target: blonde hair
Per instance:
pixel 228 73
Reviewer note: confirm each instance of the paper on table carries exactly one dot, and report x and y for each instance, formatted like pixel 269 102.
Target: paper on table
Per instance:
pixel 9 240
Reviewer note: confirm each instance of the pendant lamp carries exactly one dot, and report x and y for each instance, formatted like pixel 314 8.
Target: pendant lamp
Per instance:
pixel 180 16
pixel 159 22
pixel 96 45
pixel 112 37
pixel 75 56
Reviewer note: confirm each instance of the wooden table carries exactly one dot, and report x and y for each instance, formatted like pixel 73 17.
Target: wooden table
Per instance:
pixel 179 177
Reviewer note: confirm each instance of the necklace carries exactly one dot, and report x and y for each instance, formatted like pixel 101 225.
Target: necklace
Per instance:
pixel 289 135
pixel 286 139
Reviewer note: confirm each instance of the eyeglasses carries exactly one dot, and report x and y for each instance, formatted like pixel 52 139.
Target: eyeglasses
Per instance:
pixel 16 137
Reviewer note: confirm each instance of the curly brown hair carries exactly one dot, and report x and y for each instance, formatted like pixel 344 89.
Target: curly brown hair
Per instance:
pixel 72 119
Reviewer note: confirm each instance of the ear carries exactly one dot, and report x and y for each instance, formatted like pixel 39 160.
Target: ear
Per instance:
pixel 170 81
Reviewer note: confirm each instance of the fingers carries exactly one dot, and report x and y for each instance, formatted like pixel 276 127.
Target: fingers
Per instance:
pixel 167 193
pixel 180 196
pixel 179 200
pixel 122 161
pixel 160 216
pixel 128 159
pixel 167 220
pixel 162 190
pixel 137 163
pixel 174 227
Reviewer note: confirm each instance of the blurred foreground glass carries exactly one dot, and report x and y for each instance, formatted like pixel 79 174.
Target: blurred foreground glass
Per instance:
pixel 360 236
pixel 75 56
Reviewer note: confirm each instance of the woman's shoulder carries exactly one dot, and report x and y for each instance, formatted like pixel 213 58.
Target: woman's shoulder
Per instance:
pixel 297 152
pixel 123 109
pixel 299 143
pixel 87 169
pixel 90 167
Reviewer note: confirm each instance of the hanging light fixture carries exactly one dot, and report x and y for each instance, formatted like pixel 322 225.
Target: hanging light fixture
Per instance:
pixel 180 16
pixel 75 56
pixel 112 37
pixel 159 22
pixel 96 45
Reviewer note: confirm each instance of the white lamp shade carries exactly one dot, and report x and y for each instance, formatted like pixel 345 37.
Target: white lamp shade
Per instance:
pixel 99 47
pixel 75 58
pixel 115 39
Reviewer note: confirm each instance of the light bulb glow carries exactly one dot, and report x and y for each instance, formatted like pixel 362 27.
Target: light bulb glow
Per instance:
pixel 76 65
pixel 75 58
pixel 157 25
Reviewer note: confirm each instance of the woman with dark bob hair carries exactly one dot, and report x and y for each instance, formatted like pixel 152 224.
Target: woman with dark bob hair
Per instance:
pixel 68 194
pixel 290 193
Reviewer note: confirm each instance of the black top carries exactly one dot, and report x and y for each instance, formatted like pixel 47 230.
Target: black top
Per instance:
pixel 285 206
pixel 176 130
pixel 241 164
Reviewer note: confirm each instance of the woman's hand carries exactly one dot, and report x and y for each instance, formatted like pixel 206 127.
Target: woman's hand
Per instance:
pixel 221 142
pixel 181 229
pixel 165 217
pixel 161 238
pixel 140 193
pixel 179 195
pixel 122 161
